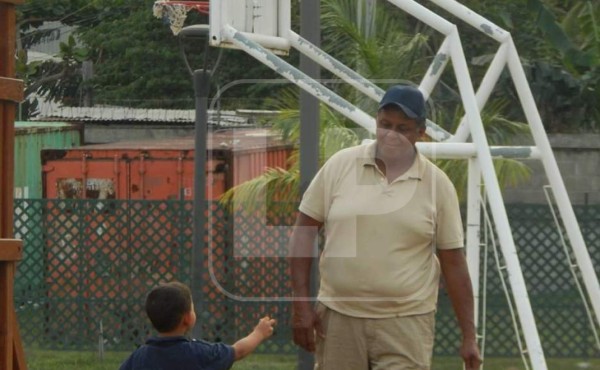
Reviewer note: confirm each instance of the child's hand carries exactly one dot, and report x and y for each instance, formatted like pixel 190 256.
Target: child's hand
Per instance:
pixel 248 344
pixel 265 327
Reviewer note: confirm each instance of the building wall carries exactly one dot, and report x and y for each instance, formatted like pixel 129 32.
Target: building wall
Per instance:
pixel 30 139
pixel 102 134
pixel 578 158
pixel 50 45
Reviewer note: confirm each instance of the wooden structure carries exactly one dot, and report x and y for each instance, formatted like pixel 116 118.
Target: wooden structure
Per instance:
pixel 11 351
pixel 11 92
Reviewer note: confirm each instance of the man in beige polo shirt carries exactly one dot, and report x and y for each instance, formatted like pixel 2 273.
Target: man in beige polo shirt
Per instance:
pixel 392 225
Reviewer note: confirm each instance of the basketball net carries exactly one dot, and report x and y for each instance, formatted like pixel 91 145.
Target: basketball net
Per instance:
pixel 174 13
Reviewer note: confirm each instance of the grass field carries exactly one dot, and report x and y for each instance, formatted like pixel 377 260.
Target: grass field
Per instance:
pixel 66 360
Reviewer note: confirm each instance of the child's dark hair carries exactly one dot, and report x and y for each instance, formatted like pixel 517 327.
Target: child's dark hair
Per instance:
pixel 166 304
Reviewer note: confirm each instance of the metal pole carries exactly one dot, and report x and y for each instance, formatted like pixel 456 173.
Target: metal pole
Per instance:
pixel 300 79
pixel 201 84
pixel 353 78
pixel 310 29
pixel 474 230
pixel 477 21
pixel 435 70
pixel 425 15
pixel 507 244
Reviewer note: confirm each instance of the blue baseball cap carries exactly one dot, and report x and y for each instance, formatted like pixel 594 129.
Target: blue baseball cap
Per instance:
pixel 407 98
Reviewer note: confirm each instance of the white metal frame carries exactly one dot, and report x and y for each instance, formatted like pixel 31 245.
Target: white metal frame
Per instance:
pixel 448 145
pixel 220 17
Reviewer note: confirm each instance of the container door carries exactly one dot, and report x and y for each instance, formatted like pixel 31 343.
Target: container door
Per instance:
pixel 85 177
pixel 156 178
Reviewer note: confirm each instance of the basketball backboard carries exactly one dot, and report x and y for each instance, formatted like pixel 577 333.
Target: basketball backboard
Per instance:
pixel 266 22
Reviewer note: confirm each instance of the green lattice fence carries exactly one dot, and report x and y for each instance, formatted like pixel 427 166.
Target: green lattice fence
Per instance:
pixel 89 263
pixel 563 324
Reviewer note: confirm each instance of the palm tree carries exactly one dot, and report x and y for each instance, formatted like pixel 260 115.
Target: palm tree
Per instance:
pixel 281 185
pixel 371 55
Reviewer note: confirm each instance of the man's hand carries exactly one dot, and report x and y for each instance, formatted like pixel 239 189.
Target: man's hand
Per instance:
pixel 304 318
pixel 458 286
pixel 306 323
pixel 469 351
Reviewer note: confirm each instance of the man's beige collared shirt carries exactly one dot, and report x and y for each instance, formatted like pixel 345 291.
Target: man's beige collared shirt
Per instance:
pixel 379 254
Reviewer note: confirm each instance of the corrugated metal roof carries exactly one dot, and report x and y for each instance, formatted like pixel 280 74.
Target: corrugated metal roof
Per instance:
pixel 230 139
pixel 218 118
pixel 34 124
pixel 27 127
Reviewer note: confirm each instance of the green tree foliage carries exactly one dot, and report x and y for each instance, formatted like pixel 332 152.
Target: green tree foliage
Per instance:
pixel 559 43
pixel 138 62
pixel 555 39
pixel 136 59
pixel 58 78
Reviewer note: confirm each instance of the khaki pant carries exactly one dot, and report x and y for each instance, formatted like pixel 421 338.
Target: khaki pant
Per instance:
pixel 352 343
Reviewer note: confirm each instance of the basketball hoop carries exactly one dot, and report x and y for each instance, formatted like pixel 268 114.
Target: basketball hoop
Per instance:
pixel 174 13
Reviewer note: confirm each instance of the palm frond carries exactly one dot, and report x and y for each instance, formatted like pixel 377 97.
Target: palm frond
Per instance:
pixel 276 185
pixel 499 129
pixel 390 53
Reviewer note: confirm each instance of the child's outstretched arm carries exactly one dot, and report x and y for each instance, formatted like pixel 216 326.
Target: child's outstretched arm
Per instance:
pixel 247 345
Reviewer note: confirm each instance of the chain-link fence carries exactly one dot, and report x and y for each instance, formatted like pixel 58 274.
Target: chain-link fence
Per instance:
pixel 88 265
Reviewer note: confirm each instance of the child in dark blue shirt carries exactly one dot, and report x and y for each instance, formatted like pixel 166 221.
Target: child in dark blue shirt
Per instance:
pixel 171 311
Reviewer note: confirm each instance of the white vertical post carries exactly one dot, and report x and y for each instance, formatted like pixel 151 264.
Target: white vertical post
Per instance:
pixel 556 183
pixel 507 244
pixel 284 17
pixel 214 20
pixel 431 78
pixel 473 243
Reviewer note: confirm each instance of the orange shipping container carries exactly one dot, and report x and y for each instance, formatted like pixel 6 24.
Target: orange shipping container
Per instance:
pixel 160 169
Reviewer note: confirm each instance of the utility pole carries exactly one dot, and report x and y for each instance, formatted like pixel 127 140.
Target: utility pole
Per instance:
pixel 87 73
pixel 201 79
pixel 310 29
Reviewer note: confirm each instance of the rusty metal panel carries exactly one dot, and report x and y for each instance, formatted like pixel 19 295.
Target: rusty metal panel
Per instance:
pixel 124 174
pixel 156 175
pixel 159 169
